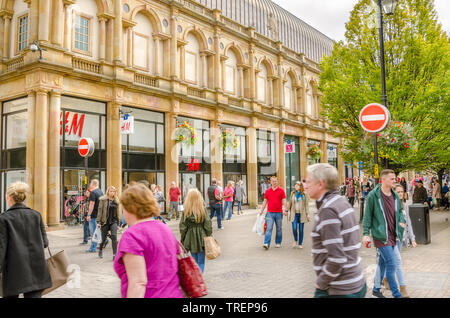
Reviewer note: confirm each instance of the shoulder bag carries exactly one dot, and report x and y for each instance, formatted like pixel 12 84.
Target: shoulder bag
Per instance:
pixel 212 247
pixel 191 279
pixel 57 266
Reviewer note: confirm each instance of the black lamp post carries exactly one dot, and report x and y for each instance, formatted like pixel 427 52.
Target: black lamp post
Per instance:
pixel 389 6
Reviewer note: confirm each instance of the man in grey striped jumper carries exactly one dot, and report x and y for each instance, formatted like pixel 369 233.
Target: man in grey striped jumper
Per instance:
pixel 335 237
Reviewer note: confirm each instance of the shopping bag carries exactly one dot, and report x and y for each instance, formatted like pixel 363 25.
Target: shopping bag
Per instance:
pixel 180 208
pixel 212 247
pixel 191 279
pixel 57 266
pixel 258 228
pixel 97 237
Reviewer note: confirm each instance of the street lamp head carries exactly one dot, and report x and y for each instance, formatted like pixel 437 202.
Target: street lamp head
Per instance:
pixel 389 6
pixel 34 47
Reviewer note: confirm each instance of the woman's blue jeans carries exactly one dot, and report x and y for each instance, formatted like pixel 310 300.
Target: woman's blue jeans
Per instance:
pixel 228 204
pixel 272 218
pixel 297 228
pixel 388 263
pixel 200 259
pixel 398 272
pixel 239 205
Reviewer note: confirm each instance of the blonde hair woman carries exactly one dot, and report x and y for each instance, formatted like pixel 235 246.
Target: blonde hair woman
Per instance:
pixel 22 233
pixel 108 218
pixel 195 224
pixel 298 213
pixel 146 260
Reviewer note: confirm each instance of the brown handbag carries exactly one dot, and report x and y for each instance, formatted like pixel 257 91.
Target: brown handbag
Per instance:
pixel 212 247
pixel 191 279
pixel 57 266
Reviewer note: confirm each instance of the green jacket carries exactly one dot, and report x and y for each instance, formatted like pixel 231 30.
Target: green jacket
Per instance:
pixel 192 233
pixel 374 219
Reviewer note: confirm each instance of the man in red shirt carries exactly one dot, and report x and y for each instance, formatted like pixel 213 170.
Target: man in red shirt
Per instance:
pixel 175 197
pixel 274 199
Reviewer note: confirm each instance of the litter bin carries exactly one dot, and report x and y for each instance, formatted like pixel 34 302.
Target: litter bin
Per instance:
pixel 420 220
pixel 361 209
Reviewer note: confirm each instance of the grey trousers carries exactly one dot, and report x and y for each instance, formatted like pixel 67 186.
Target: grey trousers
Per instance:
pixel 173 205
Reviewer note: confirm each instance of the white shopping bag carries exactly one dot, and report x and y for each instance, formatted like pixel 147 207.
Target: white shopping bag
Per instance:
pixel 97 237
pixel 180 208
pixel 258 228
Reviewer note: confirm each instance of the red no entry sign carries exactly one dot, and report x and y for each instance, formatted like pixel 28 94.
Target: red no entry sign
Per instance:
pixel 86 147
pixel 374 117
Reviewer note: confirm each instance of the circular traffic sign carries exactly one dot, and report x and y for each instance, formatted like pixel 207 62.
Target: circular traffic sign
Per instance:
pixel 86 147
pixel 374 117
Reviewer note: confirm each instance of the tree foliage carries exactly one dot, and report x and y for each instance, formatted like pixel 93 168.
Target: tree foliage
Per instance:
pixel 417 60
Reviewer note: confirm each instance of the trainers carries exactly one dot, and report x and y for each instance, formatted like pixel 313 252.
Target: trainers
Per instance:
pixel 300 246
pixel 221 228
pixel 100 254
pixel 278 245
pixel 377 294
pixel 294 244
pixel 266 246
pixel 83 243
pixel 91 251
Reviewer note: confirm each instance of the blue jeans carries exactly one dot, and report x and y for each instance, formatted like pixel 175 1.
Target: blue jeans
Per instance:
pixel 228 204
pixel 92 227
pixel 239 205
pixel 388 263
pixel 297 228
pixel 272 218
pixel 215 209
pixel 398 272
pixel 200 259
pixel 85 231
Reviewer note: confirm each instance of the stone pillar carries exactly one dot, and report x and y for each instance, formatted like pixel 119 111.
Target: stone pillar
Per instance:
pixel 281 161
pixel 118 32
pixel 130 47
pixel 217 59
pixel 204 70
pixel 171 153
pixel 173 47
pixel 54 168
pixel 252 83
pixel 241 81
pixel 44 20
pixel 252 167
pixel 41 154
pixel 58 21
pixel 109 40
pixel 67 28
pixel 341 166
pixel 222 73
pixel 102 40
pixel 216 151
pixel 294 107
pixel 323 147
pixel 6 40
pixel 2 35
pixel 114 147
pixel 182 63
pixel 303 157
pixel 30 146
pixel 157 71
pixel 270 102
pixel 34 21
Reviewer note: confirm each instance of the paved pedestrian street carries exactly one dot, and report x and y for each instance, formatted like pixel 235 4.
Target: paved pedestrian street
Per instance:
pixel 246 270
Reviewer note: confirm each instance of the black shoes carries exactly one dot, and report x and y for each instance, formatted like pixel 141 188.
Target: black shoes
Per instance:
pixel 377 294
pixel 100 254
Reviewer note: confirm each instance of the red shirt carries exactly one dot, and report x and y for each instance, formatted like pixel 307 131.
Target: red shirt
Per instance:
pixel 174 194
pixel 275 199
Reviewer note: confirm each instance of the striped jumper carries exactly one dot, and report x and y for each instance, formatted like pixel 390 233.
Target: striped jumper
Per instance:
pixel 336 242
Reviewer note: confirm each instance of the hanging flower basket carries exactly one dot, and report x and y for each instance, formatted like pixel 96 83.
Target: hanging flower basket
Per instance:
pixel 314 152
pixel 186 134
pixel 229 140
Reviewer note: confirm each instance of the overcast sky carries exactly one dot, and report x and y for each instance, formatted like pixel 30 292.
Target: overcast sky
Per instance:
pixel 330 16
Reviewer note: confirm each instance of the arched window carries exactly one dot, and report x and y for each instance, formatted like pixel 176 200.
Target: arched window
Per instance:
pixel 262 87
pixel 310 100
pixel 231 74
pixel 288 93
pixel 192 64
pixel 143 55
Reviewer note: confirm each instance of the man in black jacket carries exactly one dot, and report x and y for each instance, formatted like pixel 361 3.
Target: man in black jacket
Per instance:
pixel 420 193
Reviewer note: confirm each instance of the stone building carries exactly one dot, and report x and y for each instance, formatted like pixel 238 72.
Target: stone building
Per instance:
pixel 248 67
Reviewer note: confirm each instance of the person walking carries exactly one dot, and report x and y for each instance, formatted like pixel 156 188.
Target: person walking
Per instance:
pixel 351 192
pixel 215 203
pixel 94 199
pixel 86 235
pixel 108 219
pixel 298 207
pixel 175 199
pixel 383 217
pixel 228 193
pixel 22 243
pixel 146 261
pixel 274 200
pixel 445 200
pixel 420 193
pixel 219 186
pixel 240 195
pixel 335 237
pixel 195 224
pixel 159 196
pixel 436 194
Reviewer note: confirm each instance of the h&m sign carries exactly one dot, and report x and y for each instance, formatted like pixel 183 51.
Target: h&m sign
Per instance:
pixel 73 123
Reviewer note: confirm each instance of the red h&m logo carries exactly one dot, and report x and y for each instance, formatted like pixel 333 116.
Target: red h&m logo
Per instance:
pixel 74 127
pixel 194 165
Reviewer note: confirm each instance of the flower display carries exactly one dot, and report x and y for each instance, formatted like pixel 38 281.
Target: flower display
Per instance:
pixel 186 134
pixel 229 139
pixel 314 151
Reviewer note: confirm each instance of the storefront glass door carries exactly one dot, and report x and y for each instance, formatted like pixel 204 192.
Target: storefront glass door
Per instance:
pixel 292 162
pixel 199 181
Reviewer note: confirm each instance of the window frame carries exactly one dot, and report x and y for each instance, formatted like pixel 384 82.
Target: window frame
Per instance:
pixel 17 49
pixel 149 55
pixel 186 70
pixel 90 19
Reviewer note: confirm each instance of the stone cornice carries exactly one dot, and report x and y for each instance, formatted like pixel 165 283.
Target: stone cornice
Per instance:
pixel 4 13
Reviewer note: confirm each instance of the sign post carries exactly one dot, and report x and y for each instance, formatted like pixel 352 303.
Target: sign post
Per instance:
pixel 86 149
pixel 374 118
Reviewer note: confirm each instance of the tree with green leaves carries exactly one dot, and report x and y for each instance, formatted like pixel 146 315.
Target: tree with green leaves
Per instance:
pixel 417 61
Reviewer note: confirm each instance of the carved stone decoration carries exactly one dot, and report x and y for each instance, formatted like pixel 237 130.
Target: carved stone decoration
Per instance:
pixel 273 27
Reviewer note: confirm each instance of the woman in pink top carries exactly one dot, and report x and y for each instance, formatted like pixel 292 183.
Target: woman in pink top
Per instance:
pixel 228 198
pixel 146 261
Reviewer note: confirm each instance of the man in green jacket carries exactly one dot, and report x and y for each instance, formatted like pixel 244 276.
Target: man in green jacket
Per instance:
pixel 383 218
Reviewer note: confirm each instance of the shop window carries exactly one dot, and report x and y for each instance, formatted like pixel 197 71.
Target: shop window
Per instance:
pixel 237 154
pixel 201 148
pixel 266 143
pixel 332 154
pixel 311 142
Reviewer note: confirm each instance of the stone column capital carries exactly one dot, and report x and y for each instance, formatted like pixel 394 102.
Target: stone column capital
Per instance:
pixel 6 14
pixel 41 91
pixel 55 93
